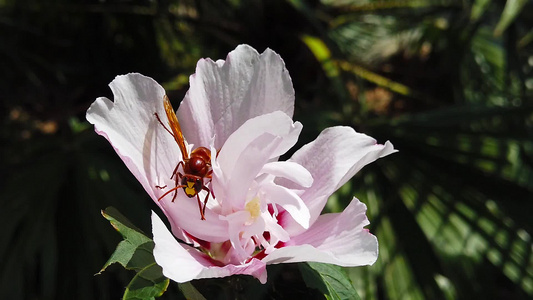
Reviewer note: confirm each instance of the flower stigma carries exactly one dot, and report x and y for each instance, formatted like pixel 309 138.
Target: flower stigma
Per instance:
pixel 254 208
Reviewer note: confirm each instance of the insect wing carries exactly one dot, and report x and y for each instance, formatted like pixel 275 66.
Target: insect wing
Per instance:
pixel 175 126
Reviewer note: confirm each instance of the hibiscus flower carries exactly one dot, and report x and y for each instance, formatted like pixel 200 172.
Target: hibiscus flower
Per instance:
pixel 261 211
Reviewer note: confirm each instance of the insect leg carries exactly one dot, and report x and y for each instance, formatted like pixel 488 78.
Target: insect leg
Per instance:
pixel 160 122
pixel 206 197
pixel 208 176
pixel 170 191
pixel 200 207
pixel 178 179
pixel 176 169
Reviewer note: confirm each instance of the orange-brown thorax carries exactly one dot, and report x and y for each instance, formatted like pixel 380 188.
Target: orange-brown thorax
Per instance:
pixel 199 163
pixel 196 168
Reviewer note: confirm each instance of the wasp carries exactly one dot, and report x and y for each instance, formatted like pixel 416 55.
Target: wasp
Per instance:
pixel 196 167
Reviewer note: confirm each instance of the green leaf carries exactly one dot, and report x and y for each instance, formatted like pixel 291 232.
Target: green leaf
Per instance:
pixel 329 280
pixel 510 12
pixel 322 54
pixel 135 252
pixel 147 284
pixel 190 292
pixel 478 9
pixel 376 78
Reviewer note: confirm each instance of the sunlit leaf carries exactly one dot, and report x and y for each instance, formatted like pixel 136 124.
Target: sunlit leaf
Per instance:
pixel 135 252
pixel 478 8
pixel 510 12
pixel 376 78
pixel 322 54
pixel 329 280
pixel 149 283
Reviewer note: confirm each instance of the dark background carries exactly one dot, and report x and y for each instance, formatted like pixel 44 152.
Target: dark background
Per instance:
pixel 449 82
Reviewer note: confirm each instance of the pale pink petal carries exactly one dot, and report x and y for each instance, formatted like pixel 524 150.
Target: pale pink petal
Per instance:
pixel 257 227
pixel 180 262
pixel 130 126
pixel 241 228
pixel 245 153
pixel 254 267
pixel 290 201
pixel 184 214
pixel 224 94
pixel 236 226
pixel 183 263
pixel 276 123
pixel 289 170
pixel 251 160
pixel 334 238
pixel 277 233
pixel 333 158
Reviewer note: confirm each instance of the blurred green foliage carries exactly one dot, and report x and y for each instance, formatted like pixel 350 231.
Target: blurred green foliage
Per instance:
pixel 449 82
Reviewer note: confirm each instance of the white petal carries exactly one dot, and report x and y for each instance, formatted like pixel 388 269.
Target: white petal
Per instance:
pixel 245 153
pixel 254 267
pixel 289 170
pixel 223 95
pixel 334 238
pixel 333 158
pixel 184 214
pixel 180 262
pixel 241 228
pixel 183 263
pixel 250 162
pixel 130 126
pixel 277 233
pixel 236 226
pixel 290 201
pixel 275 123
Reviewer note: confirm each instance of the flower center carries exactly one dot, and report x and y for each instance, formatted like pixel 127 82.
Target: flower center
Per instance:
pixel 254 207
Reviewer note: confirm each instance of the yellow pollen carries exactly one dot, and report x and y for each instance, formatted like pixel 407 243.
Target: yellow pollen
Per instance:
pixel 254 207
